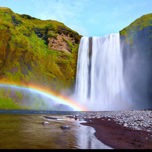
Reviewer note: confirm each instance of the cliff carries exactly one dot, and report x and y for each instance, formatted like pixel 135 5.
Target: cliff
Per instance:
pixel 136 45
pixel 37 51
pixel 41 52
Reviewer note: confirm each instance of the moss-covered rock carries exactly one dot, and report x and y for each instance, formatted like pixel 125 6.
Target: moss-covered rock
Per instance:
pixel 136 43
pixel 43 52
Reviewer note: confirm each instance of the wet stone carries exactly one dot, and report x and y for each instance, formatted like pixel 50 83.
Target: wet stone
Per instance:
pixel 149 130
pixel 65 127
pixel 45 123
pixel 125 125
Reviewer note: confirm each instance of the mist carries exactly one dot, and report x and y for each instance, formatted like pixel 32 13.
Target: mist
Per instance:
pixel 107 79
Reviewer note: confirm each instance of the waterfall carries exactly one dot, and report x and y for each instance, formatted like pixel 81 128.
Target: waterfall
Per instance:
pixel 99 78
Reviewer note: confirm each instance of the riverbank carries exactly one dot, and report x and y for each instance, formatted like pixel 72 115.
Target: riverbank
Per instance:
pixel 121 129
pixel 117 129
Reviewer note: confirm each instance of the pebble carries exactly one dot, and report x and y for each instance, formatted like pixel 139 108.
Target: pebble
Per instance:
pixel 135 119
pixel 125 125
pixel 65 127
pixel 45 123
pixel 148 130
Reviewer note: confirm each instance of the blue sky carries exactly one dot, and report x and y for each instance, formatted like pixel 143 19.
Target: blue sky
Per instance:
pixel 87 17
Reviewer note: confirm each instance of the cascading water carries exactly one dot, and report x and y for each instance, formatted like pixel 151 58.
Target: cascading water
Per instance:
pixel 99 79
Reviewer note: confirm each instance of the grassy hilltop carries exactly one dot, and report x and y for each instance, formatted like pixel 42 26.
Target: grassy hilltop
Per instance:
pixel 42 52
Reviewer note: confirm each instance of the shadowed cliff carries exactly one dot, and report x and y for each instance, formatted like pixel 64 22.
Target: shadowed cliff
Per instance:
pixel 136 45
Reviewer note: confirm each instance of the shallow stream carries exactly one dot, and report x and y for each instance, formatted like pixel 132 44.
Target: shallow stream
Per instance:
pixel 24 130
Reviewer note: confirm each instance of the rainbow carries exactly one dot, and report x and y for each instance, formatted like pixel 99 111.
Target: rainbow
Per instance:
pixel 46 92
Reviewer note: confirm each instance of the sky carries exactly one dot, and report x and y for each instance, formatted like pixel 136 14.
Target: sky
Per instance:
pixel 87 17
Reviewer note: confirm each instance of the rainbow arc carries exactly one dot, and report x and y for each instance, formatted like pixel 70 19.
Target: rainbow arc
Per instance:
pixel 46 92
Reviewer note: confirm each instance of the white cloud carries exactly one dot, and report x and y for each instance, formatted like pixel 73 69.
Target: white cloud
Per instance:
pixel 81 30
pixel 65 11
pixel 62 10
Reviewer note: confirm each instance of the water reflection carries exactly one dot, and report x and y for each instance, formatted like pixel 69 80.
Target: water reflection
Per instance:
pixel 25 131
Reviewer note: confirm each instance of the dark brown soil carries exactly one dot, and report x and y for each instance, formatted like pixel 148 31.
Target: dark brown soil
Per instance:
pixel 119 137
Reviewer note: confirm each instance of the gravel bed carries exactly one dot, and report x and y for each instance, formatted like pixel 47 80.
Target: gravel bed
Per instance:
pixel 135 119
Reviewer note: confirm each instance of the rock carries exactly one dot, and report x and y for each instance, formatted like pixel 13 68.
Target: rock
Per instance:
pixel 45 123
pixel 125 125
pixel 65 127
pixel 149 130
pixel 76 116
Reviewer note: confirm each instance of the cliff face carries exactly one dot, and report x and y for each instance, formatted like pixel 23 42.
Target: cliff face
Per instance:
pixel 37 51
pixel 136 43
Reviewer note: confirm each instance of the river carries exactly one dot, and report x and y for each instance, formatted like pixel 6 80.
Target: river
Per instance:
pixel 23 129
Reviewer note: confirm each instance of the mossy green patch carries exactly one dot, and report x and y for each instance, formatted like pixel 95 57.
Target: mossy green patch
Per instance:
pixel 26 57
pixel 134 27
pixel 8 103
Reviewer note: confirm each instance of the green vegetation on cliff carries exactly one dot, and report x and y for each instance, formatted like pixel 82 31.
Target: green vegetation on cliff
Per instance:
pixel 139 24
pixel 37 51
pixel 136 47
pixel 10 99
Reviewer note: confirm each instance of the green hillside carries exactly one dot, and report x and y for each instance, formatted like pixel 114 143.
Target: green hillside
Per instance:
pixel 41 52
pixel 30 50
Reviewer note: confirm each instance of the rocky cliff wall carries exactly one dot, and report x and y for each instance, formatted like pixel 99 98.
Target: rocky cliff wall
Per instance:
pixel 136 45
pixel 37 51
